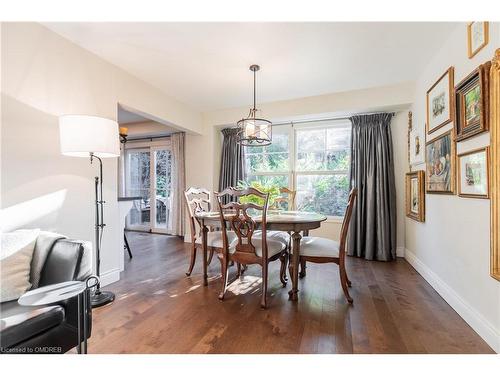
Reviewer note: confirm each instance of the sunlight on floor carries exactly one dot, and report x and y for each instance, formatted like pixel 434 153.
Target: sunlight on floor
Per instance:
pixel 244 285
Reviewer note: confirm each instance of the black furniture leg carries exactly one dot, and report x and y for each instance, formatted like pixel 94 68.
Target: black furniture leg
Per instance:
pixel 127 246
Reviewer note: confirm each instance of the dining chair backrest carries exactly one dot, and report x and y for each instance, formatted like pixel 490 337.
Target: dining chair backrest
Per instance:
pixel 287 198
pixel 242 222
pixel 347 220
pixel 197 200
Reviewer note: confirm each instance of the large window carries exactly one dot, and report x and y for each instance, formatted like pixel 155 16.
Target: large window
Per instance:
pixel 312 159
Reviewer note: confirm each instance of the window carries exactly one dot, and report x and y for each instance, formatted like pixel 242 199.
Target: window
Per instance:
pixel 312 159
pixel 270 165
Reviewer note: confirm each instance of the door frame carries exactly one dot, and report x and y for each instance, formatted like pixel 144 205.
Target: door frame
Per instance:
pixel 151 147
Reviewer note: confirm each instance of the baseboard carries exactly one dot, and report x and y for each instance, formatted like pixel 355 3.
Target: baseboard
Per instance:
pixel 477 322
pixel 400 252
pixel 110 277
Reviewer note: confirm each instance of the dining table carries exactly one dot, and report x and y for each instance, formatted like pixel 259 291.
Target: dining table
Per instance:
pixel 297 223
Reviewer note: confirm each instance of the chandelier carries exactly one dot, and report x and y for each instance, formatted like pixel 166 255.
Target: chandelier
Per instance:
pixel 254 131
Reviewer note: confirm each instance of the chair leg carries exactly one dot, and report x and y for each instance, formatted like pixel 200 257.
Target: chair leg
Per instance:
pixel 244 268
pixel 224 272
pixel 343 282
pixel 238 272
pixel 263 301
pixel 193 259
pixel 302 272
pixel 284 261
pixel 210 256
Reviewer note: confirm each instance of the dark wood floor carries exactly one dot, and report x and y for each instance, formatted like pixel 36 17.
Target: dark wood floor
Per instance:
pixel 160 310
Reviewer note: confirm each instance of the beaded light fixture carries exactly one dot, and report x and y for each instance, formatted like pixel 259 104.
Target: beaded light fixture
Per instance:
pixel 254 131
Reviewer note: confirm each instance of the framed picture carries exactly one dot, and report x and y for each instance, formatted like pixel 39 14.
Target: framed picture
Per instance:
pixel 415 195
pixel 440 164
pixel 472 103
pixel 477 37
pixel 473 179
pixel 440 102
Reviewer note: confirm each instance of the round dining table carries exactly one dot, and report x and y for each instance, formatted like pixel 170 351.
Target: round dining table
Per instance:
pixel 294 222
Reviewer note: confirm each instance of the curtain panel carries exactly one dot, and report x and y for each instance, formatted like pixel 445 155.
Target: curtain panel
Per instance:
pixel 372 233
pixel 232 166
pixel 178 183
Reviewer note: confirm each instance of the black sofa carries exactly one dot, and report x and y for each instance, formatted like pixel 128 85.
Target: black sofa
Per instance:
pixel 50 328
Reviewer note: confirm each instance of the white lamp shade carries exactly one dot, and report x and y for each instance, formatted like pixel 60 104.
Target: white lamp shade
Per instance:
pixel 81 135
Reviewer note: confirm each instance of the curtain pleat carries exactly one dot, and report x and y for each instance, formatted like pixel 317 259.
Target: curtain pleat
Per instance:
pixel 178 183
pixel 372 233
pixel 232 166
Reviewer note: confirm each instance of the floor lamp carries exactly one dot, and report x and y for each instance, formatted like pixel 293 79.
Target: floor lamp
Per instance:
pixel 95 138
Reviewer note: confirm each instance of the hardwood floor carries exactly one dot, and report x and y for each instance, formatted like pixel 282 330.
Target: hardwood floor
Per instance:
pixel 160 310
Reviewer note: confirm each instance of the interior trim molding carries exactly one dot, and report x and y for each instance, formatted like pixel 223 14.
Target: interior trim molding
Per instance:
pixel 400 251
pixel 110 277
pixel 475 320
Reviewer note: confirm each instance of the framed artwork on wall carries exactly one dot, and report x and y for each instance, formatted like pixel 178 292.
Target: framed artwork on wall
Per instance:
pixel 440 102
pixel 477 37
pixel 440 164
pixel 415 195
pixel 473 168
pixel 472 103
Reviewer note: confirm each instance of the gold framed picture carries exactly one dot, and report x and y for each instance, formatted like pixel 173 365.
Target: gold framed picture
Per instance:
pixel 440 102
pixel 477 37
pixel 440 164
pixel 472 103
pixel 473 173
pixel 415 195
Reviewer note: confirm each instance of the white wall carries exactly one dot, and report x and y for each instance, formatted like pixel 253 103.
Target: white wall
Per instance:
pixel 452 249
pixel 44 76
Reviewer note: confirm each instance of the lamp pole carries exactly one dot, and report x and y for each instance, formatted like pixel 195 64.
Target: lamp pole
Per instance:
pixel 99 298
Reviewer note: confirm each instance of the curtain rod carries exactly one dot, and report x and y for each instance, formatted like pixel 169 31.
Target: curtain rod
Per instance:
pixel 151 138
pixel 328 118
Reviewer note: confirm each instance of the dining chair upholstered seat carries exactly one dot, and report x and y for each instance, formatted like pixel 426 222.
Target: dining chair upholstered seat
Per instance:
pixel 273 247
pixel 319 247
pixel 214 239
pixel 275 235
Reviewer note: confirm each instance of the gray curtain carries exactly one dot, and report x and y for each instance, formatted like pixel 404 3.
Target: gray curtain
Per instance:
pixel 372 233
pixel 232 166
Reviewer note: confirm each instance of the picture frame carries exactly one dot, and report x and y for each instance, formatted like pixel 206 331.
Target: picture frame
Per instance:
pixel 473 173
pixel 472 103
pixel 495 166
pixel 440 102
pixel 477 37
pixel 415 195
pixel 440 164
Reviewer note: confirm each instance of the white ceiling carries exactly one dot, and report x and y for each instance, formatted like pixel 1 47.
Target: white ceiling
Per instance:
pixel 205 65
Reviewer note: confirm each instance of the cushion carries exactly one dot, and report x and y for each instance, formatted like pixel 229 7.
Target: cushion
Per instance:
pixel 273 246
pixel 214 239
pixel 319 247
pixel 44 243
pixel 276 235
pixel 63 262
pixel 16 253
pixel 19 323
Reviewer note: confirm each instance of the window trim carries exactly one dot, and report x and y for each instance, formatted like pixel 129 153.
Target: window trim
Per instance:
pixel 292 173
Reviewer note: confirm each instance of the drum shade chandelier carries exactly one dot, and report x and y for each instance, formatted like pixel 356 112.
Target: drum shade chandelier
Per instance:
pixel 254 131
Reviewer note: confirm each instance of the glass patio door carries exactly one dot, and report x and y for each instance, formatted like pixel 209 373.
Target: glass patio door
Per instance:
pixel 148 176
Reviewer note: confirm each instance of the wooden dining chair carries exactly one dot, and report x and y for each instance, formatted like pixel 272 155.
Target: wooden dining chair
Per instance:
pixel 287 198
pixel 199 200
pixel 250 246
pixel 324 250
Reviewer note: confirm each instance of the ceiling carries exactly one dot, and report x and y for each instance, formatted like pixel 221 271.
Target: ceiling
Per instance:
pixel 205 65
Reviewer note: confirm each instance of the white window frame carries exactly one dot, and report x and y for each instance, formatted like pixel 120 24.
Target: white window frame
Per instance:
pixel 293 173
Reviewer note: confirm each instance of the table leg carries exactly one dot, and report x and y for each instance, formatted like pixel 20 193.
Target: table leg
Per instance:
pixel 85 316
pixel 79 335
pixel 205 252
pixel 296 237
